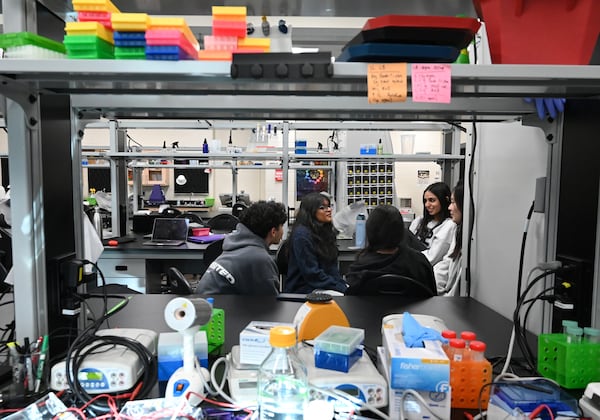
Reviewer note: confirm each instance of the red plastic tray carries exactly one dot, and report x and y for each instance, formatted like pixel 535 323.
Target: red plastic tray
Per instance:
pixel 456 32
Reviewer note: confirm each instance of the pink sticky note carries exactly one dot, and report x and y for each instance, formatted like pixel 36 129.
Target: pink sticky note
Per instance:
pixel 431 82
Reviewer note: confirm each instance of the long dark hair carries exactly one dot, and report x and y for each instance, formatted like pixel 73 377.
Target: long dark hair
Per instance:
pixel 459 195
pixel 323 235
pixel 385 228
pixel 442 191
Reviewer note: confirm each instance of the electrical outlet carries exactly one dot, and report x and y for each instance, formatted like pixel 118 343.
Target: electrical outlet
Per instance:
pixel 573 289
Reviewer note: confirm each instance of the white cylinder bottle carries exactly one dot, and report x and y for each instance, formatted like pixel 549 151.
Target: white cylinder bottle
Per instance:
pixel 282 379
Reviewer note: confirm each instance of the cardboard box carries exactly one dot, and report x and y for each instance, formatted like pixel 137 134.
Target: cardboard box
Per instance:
pixel 254 341
pixel 438 402
pixel 423 369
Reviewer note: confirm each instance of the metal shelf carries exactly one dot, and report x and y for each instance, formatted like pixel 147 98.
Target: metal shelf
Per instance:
pixel 204 90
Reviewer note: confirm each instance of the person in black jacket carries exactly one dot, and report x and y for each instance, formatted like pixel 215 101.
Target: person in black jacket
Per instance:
pixel 386 253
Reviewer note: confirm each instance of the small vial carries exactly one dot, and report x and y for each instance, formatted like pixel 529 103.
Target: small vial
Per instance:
pixel 456 349
pixel 477 351
pixel 568 323
pixel 591 335
pixel 574 335
pixel 468 336
pixel 447 334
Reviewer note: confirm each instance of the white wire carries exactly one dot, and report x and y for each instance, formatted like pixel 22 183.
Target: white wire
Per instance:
pixel 508 354
pixel 353 402
pixel 511 343
pixel 219 386
pixel 420 399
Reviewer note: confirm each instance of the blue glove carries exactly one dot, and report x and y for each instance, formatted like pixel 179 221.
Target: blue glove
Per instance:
pixel 549 106
pixel 414 334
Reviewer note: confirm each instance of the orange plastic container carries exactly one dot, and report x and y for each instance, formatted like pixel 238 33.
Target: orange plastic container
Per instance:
pixel 540 31
pixel 214 55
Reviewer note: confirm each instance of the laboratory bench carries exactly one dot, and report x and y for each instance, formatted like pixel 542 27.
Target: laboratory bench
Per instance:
pixel 366 312
pixel 140 267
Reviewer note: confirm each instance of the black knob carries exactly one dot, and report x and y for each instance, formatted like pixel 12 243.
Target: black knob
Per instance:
pixel 282 70
pixel 307 70
pixel 256 71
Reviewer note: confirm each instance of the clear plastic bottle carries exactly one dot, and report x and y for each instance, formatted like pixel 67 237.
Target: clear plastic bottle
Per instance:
pixel 361 231
pixel 456 349
pixel 282 379
pixel 448 335
pixel 574 335
pixel 468 336
pixel 566 323
pixel 591 335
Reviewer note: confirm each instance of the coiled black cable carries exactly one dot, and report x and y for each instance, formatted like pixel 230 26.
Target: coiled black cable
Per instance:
pixel 89 342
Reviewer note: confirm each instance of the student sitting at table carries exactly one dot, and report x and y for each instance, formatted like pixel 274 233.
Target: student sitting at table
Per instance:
pixel 386 253
pixel 313 252
pixel 245 266
pixel 435 229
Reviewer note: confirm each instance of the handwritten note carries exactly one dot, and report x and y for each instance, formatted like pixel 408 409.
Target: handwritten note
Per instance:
pixel 386 82
pixel 431 83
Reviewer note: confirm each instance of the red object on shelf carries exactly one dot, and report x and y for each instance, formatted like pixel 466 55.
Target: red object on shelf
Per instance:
pixel 228 28
pixel 540 31
pixel 102 17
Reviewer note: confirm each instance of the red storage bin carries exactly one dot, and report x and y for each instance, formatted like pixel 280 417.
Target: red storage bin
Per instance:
pixel 540 31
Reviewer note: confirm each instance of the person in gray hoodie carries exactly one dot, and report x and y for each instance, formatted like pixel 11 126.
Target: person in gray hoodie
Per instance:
pixel 245 267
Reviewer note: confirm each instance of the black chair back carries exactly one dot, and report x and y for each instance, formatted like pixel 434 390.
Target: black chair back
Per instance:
pixel 223 223
pixel 238 208
pixel 395 284
pixel 192 218
pixel 212 251
pixel 281 259
pixel 177 283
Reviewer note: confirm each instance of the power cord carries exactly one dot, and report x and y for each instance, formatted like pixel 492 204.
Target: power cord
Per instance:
pixel 88 342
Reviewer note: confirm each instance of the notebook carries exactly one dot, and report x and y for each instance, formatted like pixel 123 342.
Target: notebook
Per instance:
pixel 206 239
pixel 168 232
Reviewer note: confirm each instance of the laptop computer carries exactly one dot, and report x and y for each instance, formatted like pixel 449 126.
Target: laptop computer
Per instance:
pixel 168 232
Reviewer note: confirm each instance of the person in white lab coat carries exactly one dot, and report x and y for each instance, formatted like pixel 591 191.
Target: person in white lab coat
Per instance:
pixel 435 229
pixel 447 272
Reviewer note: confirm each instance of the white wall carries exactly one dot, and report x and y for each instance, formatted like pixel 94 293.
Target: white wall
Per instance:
pixel 510 157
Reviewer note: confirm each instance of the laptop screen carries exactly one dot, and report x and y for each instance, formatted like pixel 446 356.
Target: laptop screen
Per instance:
pixel 170 229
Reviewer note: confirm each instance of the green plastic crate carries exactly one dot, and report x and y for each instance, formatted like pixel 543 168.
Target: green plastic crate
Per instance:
pixel 17 39
pixel 130 53
pixel 215 330
pixel 573 366
pixel 88 46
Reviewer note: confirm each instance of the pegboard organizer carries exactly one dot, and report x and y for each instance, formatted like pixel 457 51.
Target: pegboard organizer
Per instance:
pixel 572 365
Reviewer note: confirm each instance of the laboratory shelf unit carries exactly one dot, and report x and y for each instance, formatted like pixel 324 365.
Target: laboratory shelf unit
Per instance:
pixel 112 90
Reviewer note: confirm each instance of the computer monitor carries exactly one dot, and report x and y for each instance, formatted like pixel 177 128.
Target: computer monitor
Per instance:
pixel 99 178
pixel 196 181
pixel 311 180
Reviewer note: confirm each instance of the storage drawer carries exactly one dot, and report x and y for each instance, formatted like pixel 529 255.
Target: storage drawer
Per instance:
pixel 122 267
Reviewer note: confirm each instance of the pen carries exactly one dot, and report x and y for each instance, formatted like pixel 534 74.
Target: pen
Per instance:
pixel 42 360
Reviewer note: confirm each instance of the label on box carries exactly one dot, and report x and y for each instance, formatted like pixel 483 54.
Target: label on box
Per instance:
pixel 254 341
pixel 420 368
pixel 438 403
